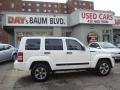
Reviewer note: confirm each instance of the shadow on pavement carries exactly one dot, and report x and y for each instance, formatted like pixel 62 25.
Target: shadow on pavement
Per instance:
pixel 70 75
pixel 6 62
pixel 26 81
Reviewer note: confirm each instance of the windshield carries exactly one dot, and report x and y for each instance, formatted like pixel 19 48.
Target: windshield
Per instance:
pixel 107 45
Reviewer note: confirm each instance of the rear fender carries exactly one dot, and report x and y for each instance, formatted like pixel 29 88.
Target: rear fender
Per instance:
pixel 40 58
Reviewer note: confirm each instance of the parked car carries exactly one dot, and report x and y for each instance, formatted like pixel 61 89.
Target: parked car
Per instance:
pixel 106 47
pixel 42 55
pixel 7 52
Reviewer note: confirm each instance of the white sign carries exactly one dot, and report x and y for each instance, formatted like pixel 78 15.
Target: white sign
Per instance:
pixel 35 20
pixel 96 17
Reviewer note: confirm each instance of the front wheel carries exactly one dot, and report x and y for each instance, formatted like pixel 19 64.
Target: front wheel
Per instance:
pixel 40 72
pixel 103 68
pixel 14 57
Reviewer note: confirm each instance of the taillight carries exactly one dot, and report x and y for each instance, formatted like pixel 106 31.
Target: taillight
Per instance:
pixel 20 56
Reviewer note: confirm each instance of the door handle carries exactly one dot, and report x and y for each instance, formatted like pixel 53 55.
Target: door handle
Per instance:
pixel 69 52
pixel 46 52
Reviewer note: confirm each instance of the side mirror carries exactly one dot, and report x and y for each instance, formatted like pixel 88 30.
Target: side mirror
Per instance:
pixel 83 48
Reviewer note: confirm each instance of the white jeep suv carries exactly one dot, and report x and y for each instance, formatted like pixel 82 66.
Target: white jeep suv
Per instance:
pixel 42 55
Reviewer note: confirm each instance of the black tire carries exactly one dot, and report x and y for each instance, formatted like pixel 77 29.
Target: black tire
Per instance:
pixel 103 68
pixel 40 72
pixel 14 57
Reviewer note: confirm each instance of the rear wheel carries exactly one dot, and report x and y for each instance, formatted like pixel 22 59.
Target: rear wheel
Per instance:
pixel 40 72
pixel 103 68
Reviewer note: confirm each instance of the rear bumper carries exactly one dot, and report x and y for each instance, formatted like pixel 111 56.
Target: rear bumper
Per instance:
pixel 23 66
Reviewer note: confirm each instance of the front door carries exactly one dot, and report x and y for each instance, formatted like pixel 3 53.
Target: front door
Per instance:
pixel 77 55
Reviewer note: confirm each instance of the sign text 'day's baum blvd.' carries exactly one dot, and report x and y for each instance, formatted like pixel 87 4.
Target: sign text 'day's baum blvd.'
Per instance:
pixel 36 20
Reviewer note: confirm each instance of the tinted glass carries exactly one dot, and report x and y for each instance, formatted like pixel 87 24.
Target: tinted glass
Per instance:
pixel 53 44
pixel 94 45
pixel 107 45
pixel 32 44
pixel 73 45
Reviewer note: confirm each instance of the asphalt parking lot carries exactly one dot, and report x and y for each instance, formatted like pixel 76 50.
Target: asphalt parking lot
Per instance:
pixel 11 79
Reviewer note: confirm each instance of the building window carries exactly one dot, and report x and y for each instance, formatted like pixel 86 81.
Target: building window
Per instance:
pixel 65 6
pixel 55 11
pixel 29 10
pixel 44 5
pixel 12 5
pixel 23 9
pixel 66 34
pixel 29 4
pixel 49 11
pixel 55 6
pixel 37 10
pixel 65 11
pixel 0 4
pixel 84 4
pixel 80 4
pixel 90 4
pixel 106 35
pixel 37 4
pixel 75 3
pixel 23 4
pixel 75 9
pixel 49 5
pixel 45 10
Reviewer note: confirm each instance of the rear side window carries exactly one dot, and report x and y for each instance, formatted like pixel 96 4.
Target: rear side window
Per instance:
pixel 53 44
pixel 32 44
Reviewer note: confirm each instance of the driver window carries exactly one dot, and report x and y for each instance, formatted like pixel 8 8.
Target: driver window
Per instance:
pixel 94 45
pixel 73 45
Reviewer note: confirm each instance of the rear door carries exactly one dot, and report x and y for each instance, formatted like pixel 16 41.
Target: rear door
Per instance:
pixel 54 49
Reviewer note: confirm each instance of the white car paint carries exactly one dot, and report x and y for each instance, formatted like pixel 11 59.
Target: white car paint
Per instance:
pixel 115 52
pixel 56 58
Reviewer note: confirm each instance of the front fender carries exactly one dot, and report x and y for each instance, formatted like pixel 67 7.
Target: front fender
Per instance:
pixel 97 57
pixel 39 58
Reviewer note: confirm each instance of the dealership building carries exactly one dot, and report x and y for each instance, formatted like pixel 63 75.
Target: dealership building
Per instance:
pixel 75 18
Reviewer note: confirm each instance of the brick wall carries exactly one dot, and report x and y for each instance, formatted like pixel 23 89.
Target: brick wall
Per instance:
pixel 40 7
